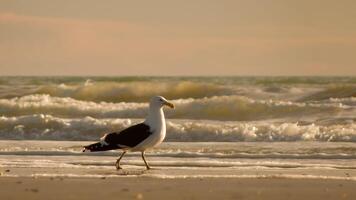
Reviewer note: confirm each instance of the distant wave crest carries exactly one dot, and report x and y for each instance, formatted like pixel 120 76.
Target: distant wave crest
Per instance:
pixel 334 92
pixel 134 91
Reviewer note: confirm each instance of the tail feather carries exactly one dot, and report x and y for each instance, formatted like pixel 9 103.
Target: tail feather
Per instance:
pixel 99 146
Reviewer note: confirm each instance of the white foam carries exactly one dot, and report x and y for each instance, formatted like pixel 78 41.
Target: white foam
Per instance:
pixel 213 108
pixel 54 128
pixel 37 104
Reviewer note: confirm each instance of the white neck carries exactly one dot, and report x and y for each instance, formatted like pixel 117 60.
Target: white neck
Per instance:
pixel 155 118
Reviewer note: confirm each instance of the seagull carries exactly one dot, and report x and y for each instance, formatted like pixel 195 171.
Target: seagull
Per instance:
pixel 139 137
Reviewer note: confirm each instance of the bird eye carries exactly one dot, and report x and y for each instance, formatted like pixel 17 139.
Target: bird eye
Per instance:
pixel 161 99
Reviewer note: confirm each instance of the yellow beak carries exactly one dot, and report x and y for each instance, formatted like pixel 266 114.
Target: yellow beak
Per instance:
pixel 169 104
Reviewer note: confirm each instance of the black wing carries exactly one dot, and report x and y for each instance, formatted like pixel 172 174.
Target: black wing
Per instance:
pixel 129 137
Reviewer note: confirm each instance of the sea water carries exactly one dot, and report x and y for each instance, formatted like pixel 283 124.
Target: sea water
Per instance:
pixel 222 126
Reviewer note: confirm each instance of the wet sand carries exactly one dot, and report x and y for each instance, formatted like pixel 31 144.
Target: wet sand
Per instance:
pixel 180 188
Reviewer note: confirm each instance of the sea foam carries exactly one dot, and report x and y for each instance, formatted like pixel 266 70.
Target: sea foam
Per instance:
pixel 213 108
pixel 88 128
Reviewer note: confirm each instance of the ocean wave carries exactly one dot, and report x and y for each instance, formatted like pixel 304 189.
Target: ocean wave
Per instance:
pixel 138 91
pixel 338 91
pixel 68 107
pixel 240 108
pixel 348 101
pixel 53 128
pixel 47 127
pixel 233 108
pixel 205 132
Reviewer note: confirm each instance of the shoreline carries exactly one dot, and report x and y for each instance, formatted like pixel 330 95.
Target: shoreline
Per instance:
pixel 138 174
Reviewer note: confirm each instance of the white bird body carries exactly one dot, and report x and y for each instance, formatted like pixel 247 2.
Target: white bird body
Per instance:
pixel 157 123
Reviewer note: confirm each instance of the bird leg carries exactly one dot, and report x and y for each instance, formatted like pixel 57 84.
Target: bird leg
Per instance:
pixel 118 161
pixel 143 157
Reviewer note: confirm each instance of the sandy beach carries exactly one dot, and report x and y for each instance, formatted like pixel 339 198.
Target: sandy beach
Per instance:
pixel 188 188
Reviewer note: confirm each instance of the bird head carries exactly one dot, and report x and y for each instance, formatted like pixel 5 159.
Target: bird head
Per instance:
pixel 159 101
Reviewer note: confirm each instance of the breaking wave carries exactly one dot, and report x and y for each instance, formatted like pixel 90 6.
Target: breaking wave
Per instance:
pixel 207 108
pixel 215 108
pixel 140 89
pixel 47 127
pixel 334 92
pixel 134 91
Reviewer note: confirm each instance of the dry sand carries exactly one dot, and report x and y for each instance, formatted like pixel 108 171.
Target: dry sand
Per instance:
pixel 189 188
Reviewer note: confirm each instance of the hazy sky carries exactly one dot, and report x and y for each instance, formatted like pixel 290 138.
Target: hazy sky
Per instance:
pixel 171 37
